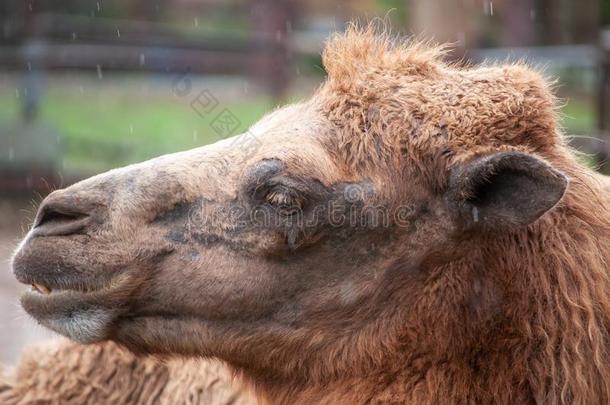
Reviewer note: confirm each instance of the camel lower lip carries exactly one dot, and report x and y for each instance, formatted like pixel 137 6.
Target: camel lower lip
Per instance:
pixel 83 317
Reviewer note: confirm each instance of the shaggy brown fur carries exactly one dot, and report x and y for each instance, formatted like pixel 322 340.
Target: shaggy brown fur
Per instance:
pixel 553 346
pixel 494 288
pixel 64 372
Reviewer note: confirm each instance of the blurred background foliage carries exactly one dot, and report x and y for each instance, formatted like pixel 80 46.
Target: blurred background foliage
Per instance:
pixel 68 75
pixel 94 80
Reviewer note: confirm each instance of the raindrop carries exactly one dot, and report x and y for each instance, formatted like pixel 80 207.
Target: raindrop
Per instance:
pixel 298 71
pixel 98 5
pixel 17 93
pixel 99 72
pixel 11 154
pixel 30 6
pixel 58 139
pixel 532 14
pixel 278 35
pixel 81 89
pixel 196 21
pixel 29 66
pixel 131 129
pixel 142 59
pixel 488 8
pixel 195 135
pixel 73 36
pixel 118 33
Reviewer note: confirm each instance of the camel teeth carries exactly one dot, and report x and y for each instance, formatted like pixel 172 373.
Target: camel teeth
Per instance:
pixel 43 289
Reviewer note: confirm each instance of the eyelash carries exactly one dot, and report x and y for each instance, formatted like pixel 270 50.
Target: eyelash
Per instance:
pixel 283 200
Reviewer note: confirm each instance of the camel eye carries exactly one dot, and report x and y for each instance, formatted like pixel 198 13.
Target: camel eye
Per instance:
pixel 285 201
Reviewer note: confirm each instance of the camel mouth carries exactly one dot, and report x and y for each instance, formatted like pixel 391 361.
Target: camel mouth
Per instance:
pixel 45 289
pixel 52 288
pixel 84 314
pixel 49 289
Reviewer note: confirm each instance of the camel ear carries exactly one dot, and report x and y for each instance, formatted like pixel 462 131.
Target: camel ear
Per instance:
pixel 502 190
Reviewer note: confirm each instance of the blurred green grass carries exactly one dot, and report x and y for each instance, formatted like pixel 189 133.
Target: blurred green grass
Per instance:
pixel 106 130
pixel 99 134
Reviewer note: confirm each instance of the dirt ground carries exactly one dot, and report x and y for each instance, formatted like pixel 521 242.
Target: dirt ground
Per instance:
pixel 17 330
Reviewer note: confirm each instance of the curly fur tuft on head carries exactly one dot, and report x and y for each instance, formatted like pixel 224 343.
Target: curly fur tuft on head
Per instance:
pixel 363 50
pixel 392 99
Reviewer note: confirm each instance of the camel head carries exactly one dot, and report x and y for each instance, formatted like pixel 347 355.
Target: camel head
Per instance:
pixel 323 240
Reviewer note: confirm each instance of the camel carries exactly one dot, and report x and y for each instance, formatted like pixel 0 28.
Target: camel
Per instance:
pixel 416 232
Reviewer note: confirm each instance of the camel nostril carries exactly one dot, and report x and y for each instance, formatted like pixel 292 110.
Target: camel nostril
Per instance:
pixel 55 220
pixel 52 216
